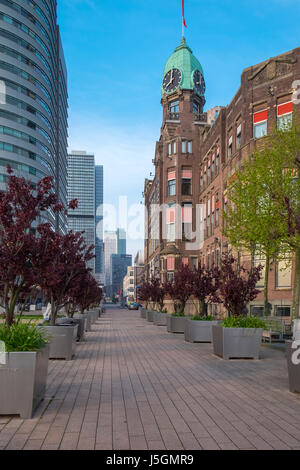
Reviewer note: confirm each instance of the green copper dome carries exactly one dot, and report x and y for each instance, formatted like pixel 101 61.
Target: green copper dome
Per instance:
pixel 184 60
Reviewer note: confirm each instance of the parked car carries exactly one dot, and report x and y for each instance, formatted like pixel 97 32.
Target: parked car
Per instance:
pixel 133 306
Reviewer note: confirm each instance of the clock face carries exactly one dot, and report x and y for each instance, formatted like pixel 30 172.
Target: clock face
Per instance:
pixel 172 80
pixel 199 82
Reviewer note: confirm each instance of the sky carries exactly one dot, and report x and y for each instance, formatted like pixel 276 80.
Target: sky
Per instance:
pixel 115 53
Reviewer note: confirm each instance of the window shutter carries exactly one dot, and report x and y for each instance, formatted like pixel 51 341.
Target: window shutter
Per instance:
pixel 260 117
pixel 285 108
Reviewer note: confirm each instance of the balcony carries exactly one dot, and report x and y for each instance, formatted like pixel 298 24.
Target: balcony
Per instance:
pixel 173 116
pixel 200 117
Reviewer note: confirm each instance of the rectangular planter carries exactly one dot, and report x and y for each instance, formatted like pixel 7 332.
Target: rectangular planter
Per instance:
pixel 176 324
pixel 293 362
pixel 62 342
pixel 160 319
pixel 149 316
pixel 23 382
pixel 199 331
pixel 143 313
pixel 76 320
pixel 94 315
pixel 236 343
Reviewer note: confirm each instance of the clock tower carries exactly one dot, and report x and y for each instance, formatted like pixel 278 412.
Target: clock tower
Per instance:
pixel 171 197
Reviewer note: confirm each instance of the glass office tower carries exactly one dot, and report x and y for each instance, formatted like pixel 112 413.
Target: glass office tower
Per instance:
pixel 99 261
pixel 33 79
pixel 81 186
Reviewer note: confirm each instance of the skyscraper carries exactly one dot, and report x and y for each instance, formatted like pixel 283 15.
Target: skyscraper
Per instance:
pixel 99 261
pixel 110 248
pixel 121 241
pixel 81 186
pixel 119 265
pixel 33 132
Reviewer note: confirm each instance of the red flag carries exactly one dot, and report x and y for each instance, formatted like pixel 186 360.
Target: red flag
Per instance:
pixel 183 19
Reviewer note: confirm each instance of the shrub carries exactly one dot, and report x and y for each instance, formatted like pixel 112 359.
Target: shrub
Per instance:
pixel 177 314
pixel 22 337
pixel 241 322
pixel 199 318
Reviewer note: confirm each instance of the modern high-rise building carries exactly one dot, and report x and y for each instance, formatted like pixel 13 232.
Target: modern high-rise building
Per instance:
pixel 121 241
pixel 110 248
pixel 99 261
pixel 33 106
pixel 81 186
pixel 119 265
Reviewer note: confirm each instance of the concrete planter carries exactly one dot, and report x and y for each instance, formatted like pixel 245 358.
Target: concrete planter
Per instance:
pixel 143 313
pixel 169 322
pixel 293 362
pixel 76 320
pixel 176 324
pixel 62 342
pixel 23 382
pixel 160 319
pixel 150 316
pixel 88 323
pixel 198 331
pixel 94 315
pixel 236 342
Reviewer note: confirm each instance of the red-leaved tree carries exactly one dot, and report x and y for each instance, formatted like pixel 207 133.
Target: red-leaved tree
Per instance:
pixel 84 294
pixel 21 207
pixel 237 286
pixel 63 260
pixel 180 289
pixel 205 286
pixel 144 292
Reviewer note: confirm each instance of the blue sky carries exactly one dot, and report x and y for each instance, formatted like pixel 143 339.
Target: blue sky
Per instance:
pixel 116 50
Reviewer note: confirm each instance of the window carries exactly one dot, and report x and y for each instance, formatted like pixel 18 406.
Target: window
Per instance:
pixel 196 108
pixel 194 262
pixel 172 147
pixel 217 211
pixel 171 183
pixel 208 174
pixel 239 136
pixel 283 275
pixel 217 163
pixel 171 264
pixel 257 311
pixel 186 183
pixel 174 109
pixel 229 147
pixel 186 146
pixel 282 311
pixel 284 115
pixel 201 182
pixel 187 220
pixel 260 124
pixel 171 223
pixel 170 277
pixel 259 259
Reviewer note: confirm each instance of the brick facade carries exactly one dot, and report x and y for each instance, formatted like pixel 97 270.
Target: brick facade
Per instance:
pixel 220 139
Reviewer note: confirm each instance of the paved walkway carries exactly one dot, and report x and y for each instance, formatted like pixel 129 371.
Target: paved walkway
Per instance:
pixel 134 386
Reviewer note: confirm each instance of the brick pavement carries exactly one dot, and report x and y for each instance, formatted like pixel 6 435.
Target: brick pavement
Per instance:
pixel 134 386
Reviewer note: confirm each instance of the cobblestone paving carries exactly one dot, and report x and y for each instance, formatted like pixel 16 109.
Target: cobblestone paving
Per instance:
pixel 134 386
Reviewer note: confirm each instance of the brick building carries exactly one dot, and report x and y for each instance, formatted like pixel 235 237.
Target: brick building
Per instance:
pixel 196 158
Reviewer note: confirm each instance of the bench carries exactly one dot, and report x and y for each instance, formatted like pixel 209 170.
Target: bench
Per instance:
pixel 275 330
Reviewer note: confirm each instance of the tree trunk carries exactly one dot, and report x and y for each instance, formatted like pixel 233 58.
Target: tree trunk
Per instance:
pixel 53 313
pixel 266 287
pixel 202 308
pixel 296 292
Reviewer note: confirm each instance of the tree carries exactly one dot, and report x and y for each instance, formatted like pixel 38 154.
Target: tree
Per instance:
pixel 237 288
pixel 21 205
pixel 144 292
pixel 157 292
pixel 62 262
pixel 257 218
pixel 205 285
pixel 180 289
pixel 84 293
